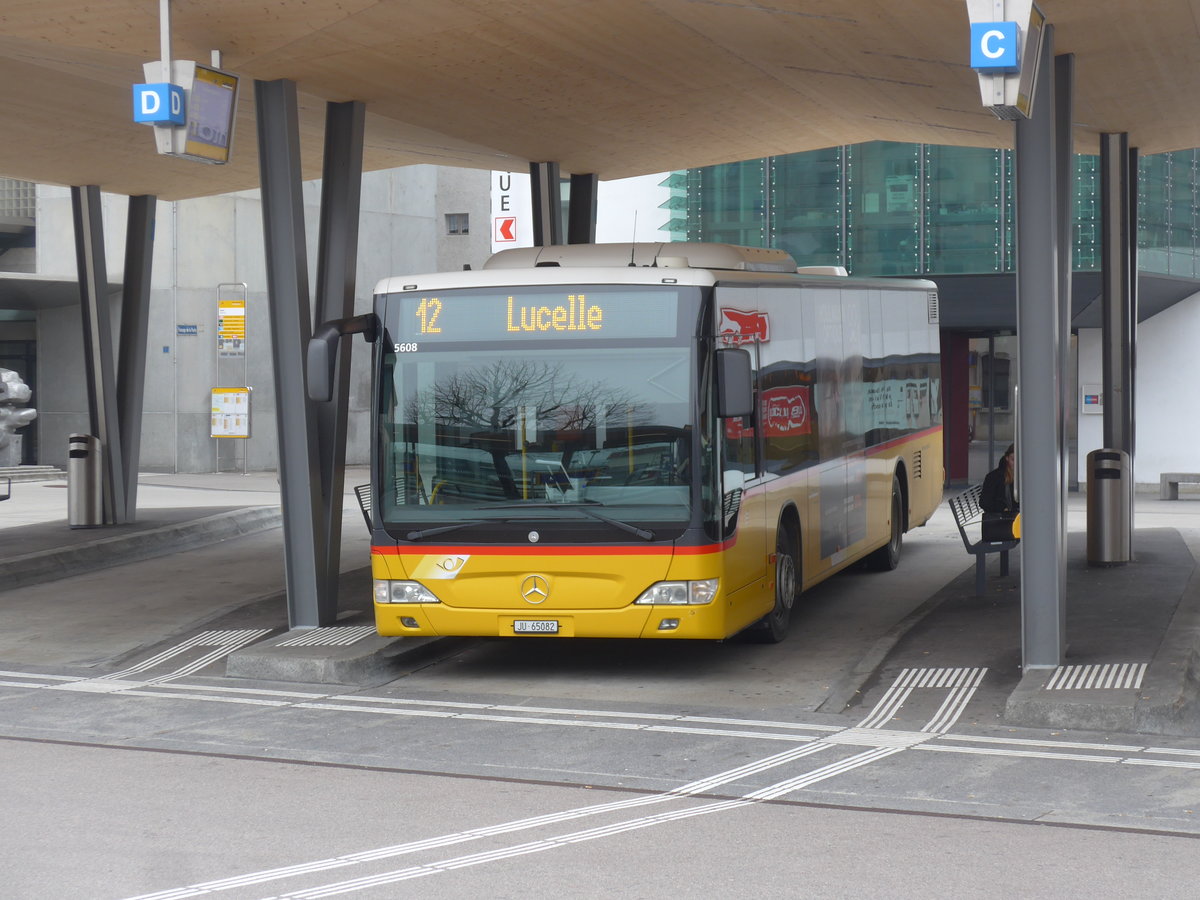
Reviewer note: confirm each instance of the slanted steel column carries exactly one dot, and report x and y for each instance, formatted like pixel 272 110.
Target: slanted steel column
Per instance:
pixel 291 327
pixel 1117 316
pixel 337 259
pixel 131 360
pixel 1039 450
pixel 98 346
pixel 546 195
pixel 581 210
pixel 1064 182
pixel 1131 273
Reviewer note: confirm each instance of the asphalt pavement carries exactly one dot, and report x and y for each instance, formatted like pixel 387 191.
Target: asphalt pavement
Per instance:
pixel 206 552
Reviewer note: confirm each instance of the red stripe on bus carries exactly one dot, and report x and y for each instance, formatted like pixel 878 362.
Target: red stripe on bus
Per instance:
pixel 561 550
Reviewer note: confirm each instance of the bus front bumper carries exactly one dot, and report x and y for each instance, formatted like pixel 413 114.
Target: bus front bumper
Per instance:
pixel 706 622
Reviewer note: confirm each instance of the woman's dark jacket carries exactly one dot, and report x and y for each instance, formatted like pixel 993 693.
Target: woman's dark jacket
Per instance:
pixel 999 506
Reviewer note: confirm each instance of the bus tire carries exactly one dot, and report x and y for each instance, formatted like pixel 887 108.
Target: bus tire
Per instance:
pixel 887 557
pixel 773 627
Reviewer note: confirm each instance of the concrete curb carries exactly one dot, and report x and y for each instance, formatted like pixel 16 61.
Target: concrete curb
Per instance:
pixel 365 662
pixel 1167 703
pixel 1030 705
pixel 50 565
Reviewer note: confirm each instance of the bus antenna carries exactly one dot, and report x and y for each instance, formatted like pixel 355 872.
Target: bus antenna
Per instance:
pixel 633 242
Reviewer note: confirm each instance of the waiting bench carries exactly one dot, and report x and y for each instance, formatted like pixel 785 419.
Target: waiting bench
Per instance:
pixel 1168 483
pixel 968 513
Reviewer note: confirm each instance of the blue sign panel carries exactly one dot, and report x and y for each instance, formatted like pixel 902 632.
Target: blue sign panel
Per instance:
pixel 158 104
pixel 994 47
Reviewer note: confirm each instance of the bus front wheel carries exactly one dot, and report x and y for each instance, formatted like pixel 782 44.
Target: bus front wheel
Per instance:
pixel 773 627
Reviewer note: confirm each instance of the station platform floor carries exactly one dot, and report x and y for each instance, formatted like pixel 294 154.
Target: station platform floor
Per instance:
pixel 206 551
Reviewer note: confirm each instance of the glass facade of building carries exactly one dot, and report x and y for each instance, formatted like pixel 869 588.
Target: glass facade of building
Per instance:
pixel 885 208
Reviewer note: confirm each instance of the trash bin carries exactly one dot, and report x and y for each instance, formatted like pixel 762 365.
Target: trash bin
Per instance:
pixel 85 494
pixel 1109 510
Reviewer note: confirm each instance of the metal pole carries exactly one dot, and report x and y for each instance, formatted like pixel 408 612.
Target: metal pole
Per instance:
pixel 1131 268
pixel 991 357
pixel 1064 180
pixel 291 328
pixel 1043 611
pixel 131 359
pixel 337 260
pixel 546 197
pixel 1115 337
pixel 98 345
pixel 164 37
pixel 581 210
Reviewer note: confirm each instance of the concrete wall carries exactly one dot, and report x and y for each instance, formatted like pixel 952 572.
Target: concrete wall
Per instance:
pixel 1167 432
pixel 203 243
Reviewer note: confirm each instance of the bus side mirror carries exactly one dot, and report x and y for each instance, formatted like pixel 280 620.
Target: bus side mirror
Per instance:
pixel 735 383
pixel 322 352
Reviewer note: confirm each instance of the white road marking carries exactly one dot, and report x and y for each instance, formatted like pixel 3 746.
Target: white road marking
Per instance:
pixel 332 636
pixel 959 685
pixel 1109 676
pixel 892 743
pixel 699 786
pixel 219 644
pixel 962 684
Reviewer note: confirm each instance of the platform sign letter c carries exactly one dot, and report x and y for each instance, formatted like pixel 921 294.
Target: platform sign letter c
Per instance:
pixel 994 46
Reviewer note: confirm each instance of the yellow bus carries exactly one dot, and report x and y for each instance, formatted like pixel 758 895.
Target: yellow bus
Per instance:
pixel 641 440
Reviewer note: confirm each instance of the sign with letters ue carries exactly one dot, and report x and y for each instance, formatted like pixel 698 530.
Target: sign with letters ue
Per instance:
pixel 158 104
pixel 994 47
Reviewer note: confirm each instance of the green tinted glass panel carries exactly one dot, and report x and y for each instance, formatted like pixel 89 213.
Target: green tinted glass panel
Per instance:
pixel 806 206
pixel 884 200
pixel 963 208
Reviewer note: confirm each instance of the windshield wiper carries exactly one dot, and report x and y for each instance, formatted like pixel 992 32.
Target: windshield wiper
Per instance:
pixel 444 529
pixel 585 508
pixel 617 523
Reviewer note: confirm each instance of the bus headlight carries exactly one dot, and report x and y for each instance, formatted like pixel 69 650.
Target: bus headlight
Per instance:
pixel 679 593
pixel 402 592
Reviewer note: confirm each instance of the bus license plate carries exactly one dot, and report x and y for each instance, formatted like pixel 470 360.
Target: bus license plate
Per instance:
pixel 535 626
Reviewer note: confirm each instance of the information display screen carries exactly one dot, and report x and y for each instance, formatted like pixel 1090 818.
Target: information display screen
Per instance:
pixel 524 313
pixel 210 113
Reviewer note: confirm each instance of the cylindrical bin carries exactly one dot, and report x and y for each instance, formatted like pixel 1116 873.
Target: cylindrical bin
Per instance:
pixel 1109 507
pixel 85 491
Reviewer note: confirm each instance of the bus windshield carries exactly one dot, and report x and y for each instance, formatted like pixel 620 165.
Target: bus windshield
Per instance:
pixel 485 427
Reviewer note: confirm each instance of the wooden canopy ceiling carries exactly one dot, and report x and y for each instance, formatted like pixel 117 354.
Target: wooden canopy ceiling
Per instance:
pixel 612 87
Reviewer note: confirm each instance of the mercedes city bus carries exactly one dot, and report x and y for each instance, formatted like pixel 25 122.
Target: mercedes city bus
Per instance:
pixel 639 440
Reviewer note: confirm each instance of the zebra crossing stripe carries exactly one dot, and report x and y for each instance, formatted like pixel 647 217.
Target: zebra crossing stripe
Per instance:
pixel 333 636
pixel 1101 676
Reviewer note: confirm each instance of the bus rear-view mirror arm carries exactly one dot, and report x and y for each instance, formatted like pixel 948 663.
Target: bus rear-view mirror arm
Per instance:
pixel 735 383
pixel 323 347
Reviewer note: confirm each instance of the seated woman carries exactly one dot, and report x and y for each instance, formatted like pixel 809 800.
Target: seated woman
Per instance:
pixel 998 499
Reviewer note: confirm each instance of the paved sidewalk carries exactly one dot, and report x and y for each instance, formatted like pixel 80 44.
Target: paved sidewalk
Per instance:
pixel 202 548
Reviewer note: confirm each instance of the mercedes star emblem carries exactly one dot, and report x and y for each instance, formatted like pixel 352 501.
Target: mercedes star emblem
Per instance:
pixel 535 589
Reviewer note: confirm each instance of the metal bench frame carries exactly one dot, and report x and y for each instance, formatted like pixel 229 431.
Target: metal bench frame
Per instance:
pixel 967 512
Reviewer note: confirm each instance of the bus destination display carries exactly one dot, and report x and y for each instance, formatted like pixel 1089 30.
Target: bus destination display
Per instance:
pixel 513 315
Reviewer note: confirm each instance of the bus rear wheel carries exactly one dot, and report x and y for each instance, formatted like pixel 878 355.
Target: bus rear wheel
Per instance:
pixel 773 627
pixel 887 557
